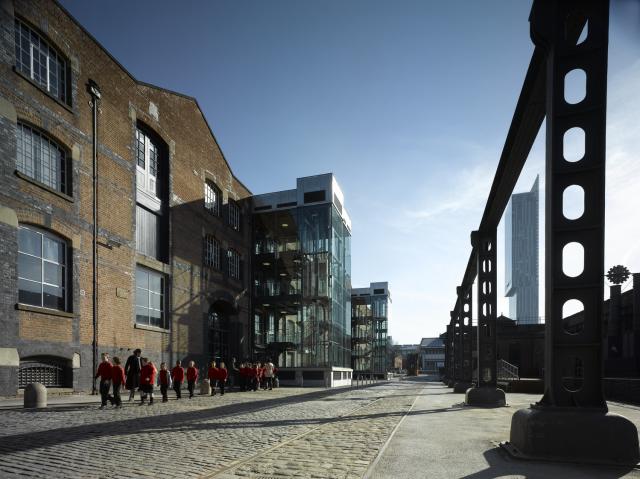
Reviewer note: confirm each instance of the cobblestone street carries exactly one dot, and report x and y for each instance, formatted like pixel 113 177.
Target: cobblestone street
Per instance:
pixel 286 432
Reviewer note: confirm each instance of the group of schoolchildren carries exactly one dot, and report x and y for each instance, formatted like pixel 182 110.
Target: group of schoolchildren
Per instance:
pixel 141 374
pixel 254 376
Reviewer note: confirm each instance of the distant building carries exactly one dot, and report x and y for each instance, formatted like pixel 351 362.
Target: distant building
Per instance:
pixel 521 251
pixel 369 325
pixel 301 279
pixel 431 355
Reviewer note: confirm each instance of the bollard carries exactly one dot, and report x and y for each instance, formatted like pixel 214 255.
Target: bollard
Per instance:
pixel 35 396
pixel 205 387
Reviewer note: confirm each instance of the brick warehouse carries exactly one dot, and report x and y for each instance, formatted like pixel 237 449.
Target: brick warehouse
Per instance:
pixel 173 223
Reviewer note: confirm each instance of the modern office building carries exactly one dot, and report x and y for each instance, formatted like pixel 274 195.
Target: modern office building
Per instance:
pixel 301 280
pixel 370 312
pixel 431 355
pixel 521 256
pixel 153 255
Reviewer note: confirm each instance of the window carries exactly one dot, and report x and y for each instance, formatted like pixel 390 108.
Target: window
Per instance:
pixel 150 308
pixel 41 158
pixel 147 159
pixel 211 252
pixel 42 269
pixel 234 215
pixel 212 197
pixel 147 233
pixel 39 61
pixel 234 263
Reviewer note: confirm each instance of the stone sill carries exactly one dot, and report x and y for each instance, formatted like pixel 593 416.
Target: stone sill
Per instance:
pixel 151 328
pixel 43 186
pixel 49 95
pixel 41 310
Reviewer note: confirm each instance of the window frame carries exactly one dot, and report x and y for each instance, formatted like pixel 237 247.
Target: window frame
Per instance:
pixel 150 169
pixel 233 263
pixel 234 215
pixel 212 252
pixel 165 323
pixel 38 137
pixel 65 266
pixel 48 51
pixel 213 197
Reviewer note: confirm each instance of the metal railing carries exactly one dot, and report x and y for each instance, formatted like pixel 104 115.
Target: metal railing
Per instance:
pixel 506 371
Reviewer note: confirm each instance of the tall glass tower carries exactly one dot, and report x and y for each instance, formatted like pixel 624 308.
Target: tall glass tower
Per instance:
pixel 521 250
pixel 301 278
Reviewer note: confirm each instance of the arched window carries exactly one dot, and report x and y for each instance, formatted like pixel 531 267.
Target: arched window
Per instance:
pixel 41 63
pixel 41 158
pixel 43 266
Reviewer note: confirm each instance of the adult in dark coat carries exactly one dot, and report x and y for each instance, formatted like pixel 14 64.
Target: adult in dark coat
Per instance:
pixel 132 369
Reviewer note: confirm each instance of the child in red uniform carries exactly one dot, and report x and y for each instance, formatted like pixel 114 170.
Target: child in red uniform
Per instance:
pixel 223 374
pixel 192 377
pixel 104 373
pixel 177 374
pixel 164 378
pixel 119 379
pixel 212 374
pixel 147 380
pixel 243 376
pixel 255 376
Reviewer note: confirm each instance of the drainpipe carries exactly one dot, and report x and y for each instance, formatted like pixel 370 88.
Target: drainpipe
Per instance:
pixel 94 91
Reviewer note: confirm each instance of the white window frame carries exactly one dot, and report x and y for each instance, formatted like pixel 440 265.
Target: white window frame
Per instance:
pixel 43 262
pixel 25 32
pixel 163 298
pixel 146 179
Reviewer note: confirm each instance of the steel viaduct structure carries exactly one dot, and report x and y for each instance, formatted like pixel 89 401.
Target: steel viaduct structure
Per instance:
pixel 571 422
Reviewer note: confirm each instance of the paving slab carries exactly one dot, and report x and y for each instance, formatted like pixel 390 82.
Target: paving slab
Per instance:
pixel 442 438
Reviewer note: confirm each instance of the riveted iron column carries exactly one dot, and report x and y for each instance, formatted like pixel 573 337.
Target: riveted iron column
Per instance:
pixel 571 420
pixel 448 375
pixel 456 341
pixel 464 308
pixel 485 393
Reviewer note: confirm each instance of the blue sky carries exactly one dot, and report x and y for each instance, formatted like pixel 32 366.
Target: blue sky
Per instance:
pixel 407 102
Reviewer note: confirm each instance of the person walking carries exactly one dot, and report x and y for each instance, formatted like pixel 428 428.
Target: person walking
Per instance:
pixel 147 380
pixel 192 377
pixel 164 378
pixel 118 379
pixel 212 374
pixel 177 374
pixel 132 369
pixel 223 374
pixel 268 374
pixel 104 372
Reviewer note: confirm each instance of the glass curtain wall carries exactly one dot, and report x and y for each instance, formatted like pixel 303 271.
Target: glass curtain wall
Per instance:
pixel 369 316
pixel 301 287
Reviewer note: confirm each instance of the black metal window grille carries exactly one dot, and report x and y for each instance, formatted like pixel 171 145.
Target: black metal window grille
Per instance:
pixel 212 197
pixel 211 252
pixel 42 269
pixel 234 215
pixel 39 61
pixel 234 263
pixel 41 158
pixel 48 372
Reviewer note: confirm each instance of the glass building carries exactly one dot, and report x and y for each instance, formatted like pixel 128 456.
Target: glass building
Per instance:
pixel 370 311
pixel 301 278
pixel 521 256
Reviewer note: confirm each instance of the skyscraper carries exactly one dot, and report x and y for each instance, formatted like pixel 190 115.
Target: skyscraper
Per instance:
pixel 521 251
